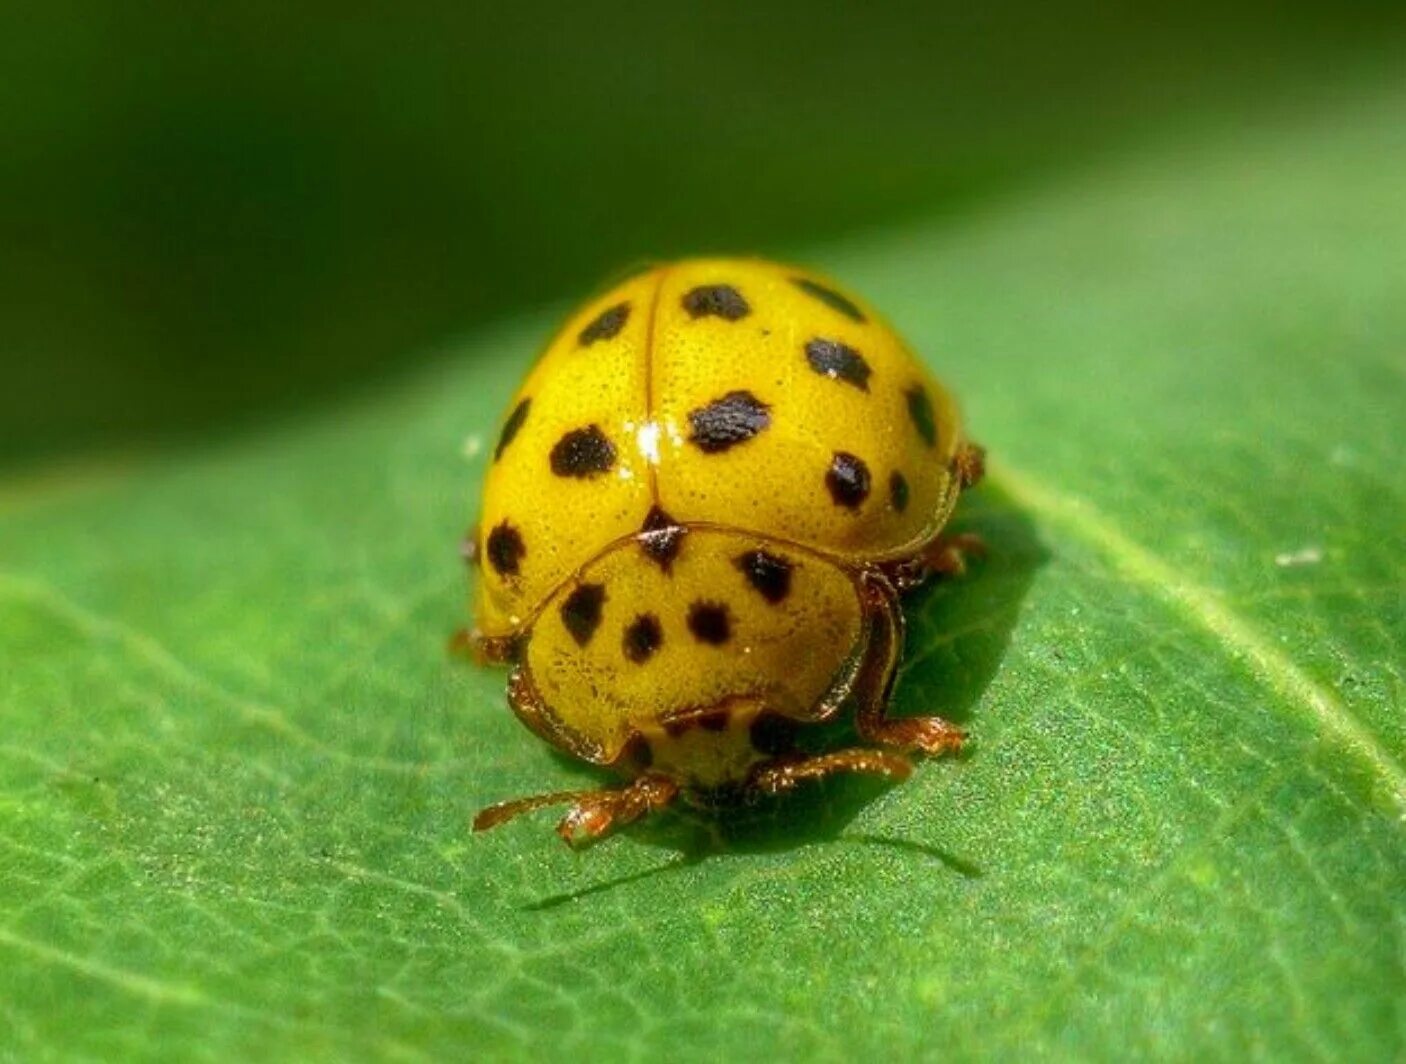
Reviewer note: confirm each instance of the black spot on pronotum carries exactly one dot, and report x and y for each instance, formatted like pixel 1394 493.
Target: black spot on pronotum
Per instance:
pixel 505 549
pixel 726 422
pixel 511 426
pixel 642 638
pixel 920 411
pixel 769 574
pixel 581 612
pixel 716 301
pixel 839 362
pixel 898 491
pixel 583 453
pixel 709 622
pixel 848 480
pixel 606 326
pixel 829 297
pixel 661 538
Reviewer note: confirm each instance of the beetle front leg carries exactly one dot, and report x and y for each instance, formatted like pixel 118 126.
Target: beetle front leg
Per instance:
pixel 593 813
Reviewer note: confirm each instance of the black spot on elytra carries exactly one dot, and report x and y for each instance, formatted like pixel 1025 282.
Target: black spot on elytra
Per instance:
pixel 848 480
pixel 581 612
pixel 716 301
pixel 829 297
pixel 770 574
pixel 839 362
pixel 709 622
pixel 726 422
pixel 606 326
pixel 511 426
pixel 661 538
pixel 642 638
pixel 583 453
pixel 505 549
pixel 898 491
pixel 920 411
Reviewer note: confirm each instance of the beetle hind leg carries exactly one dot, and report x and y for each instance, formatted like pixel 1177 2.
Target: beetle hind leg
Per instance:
pixel 593 813
pixel 874 686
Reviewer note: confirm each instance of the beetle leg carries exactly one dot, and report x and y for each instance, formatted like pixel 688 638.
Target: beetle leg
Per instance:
pixel 969 463
pixel 874 685
pixel 947 555
pixel 483 649
pixel 774 777
pixel 592 813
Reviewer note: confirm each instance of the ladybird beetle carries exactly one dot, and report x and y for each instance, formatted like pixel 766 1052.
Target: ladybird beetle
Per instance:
pixel 699 515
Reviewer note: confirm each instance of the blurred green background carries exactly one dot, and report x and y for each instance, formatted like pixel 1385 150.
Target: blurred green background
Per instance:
pixel 210 215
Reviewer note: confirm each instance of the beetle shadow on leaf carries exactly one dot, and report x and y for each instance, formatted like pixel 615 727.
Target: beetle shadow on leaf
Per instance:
pixel 958 633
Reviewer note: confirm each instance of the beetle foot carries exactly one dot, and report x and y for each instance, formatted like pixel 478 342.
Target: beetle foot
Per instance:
pixel 596 813
pixel 929 735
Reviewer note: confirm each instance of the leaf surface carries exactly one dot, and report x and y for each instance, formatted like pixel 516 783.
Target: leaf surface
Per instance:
pixel 238 767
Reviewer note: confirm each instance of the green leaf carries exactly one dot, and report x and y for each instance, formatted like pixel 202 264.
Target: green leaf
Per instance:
pixel 238 766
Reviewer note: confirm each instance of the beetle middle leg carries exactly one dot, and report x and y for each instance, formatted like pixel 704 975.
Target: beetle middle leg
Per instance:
pixel 774 777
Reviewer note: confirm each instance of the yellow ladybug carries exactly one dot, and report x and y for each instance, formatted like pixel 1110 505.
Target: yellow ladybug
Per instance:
pixel 700 512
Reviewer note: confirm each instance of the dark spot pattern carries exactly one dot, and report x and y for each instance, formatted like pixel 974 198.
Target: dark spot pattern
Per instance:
pixel 642 638
pixel 581 612
pixel 920 411
pixel 726 422
pixel 606 326
pixel 716 301
pixel 662 538
pixel 848 480
pixel 511 426
pixel 505 549
pixel 769 574
pixel 832 299
pixel 709 622
pixel 583 453
pixel 839 362
pixel 898 491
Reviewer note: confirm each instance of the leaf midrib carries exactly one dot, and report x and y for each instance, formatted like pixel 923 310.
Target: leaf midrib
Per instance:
pixel 1205 608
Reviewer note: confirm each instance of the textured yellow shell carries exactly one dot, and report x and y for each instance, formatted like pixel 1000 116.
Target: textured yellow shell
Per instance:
pixel 844 443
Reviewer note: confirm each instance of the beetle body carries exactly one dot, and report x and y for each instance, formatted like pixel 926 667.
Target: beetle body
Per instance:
pixel 699 514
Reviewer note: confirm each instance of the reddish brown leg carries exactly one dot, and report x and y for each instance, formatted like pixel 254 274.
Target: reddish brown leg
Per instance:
pixel 592 813
pixel 969 463
pixel 777 776
pixel 483 649
pixel 947 555
pixel 874 686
